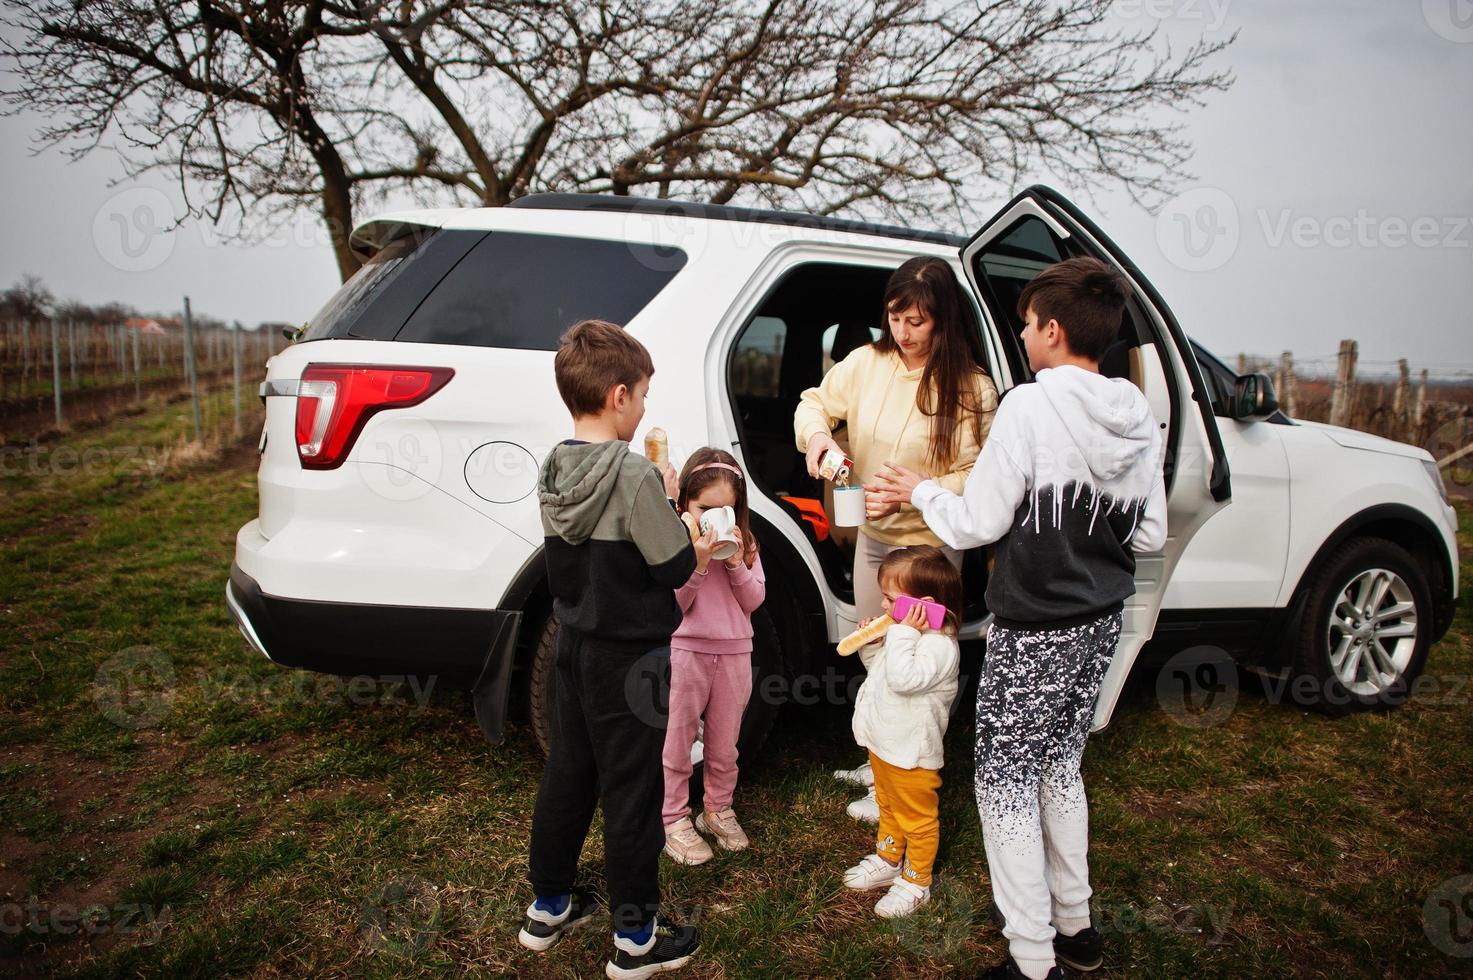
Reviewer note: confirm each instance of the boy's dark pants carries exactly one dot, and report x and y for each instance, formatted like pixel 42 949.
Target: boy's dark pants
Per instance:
pixel 608 734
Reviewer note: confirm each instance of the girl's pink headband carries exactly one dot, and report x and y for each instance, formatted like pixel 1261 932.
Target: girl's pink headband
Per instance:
pixel 718 466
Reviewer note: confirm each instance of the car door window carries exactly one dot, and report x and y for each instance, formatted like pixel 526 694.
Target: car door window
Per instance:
pixel 757 363
pixel 1004 269
pixel 1222 384
pixel 1008 265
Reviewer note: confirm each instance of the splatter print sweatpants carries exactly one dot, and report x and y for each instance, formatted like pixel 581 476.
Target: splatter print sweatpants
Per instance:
pixel 1035 702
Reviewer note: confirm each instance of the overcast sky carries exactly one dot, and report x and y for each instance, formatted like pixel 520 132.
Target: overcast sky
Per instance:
pixel 1332 197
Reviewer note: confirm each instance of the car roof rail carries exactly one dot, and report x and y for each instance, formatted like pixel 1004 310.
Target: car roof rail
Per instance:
pixel 622 204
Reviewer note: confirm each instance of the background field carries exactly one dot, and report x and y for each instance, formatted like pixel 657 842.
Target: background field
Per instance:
pixel 228 816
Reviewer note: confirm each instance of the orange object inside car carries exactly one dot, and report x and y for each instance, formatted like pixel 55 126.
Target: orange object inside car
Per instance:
pixel 812 512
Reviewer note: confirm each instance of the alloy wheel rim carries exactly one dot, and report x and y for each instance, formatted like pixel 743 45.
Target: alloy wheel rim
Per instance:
pixel 1372 631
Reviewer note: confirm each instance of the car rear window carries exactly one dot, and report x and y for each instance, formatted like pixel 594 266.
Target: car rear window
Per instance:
pixel 524 291
pixel 376 300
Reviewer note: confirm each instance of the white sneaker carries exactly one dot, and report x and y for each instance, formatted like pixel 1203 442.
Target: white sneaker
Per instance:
pixel 863 776
pixel 684 845
pixel 901 900
pixel 872 871
pixel 722 824
pixel 866 809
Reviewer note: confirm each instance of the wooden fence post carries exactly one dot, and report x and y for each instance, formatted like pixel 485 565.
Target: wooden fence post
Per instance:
pixel 1344 393
pixel 137 366
pixel 192 371
pixel 56 368
pixel 1282 380
pixel 1401 401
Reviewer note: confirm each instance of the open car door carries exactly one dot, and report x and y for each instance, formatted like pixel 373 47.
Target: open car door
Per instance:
pixel 1036 229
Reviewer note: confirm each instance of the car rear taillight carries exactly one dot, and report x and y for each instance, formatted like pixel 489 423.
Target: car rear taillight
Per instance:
pixel 334 401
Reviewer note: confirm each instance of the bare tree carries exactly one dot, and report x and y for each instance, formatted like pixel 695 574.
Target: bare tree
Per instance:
pixel 891 108
pixel 29 299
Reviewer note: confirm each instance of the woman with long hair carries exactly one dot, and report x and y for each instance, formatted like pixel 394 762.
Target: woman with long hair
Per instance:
pixel 919 396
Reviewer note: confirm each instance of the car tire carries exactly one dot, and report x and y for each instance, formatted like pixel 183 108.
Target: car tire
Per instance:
pixel 1349 657
pixel 757 721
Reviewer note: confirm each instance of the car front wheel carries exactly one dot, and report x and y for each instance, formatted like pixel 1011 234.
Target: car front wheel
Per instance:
pixel 1366 629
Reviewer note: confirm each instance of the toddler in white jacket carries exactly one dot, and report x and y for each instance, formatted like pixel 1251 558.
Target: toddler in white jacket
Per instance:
pixel 900 716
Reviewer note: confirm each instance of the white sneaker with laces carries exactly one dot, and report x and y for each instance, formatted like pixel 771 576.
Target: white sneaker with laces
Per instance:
pixel 863 776
pixel 684 845
pixel 866 809
pixel 872 871
pixel 901 900
pixel 722 824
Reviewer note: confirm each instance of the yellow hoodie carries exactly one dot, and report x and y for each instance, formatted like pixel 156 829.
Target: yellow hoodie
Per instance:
pixel 876 396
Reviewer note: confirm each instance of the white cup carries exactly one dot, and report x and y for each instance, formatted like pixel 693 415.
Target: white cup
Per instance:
pixel 723 519
pixel 849 506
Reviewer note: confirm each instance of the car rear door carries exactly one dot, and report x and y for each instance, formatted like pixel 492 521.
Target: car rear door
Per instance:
pixel 1040 227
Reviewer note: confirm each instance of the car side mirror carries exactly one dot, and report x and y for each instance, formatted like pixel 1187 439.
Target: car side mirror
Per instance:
pixel 1254 398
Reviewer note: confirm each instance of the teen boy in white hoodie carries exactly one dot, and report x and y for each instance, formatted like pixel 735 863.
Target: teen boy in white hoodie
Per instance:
pixel 1069 485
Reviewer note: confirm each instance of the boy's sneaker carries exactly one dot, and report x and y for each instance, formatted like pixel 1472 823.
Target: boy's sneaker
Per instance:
pixel 871 872
pixel 541 930
pixel 901 900
pixel 865 809
pixel 1008 970
pixel 1082 951
pixel 684 845
pixel 863 776
pixel 722 824
pixel 669 948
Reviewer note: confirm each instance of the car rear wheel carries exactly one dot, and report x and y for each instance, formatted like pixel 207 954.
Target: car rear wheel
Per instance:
pixel 757 721
pixel 1366 629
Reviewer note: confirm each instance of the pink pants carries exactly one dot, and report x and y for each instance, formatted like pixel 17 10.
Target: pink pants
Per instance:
pixel 717 685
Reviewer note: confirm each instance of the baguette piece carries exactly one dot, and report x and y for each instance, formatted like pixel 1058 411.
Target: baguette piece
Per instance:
pixel 869 634
pixel 691 526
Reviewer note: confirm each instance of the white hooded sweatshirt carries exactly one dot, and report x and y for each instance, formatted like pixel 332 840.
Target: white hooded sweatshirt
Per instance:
pixel 1069 482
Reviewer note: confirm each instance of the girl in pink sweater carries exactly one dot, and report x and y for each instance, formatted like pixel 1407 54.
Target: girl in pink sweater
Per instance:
pixel 710 662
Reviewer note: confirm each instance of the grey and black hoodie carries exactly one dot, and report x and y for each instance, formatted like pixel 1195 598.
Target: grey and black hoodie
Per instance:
pixel 1069 483
pixel 615 548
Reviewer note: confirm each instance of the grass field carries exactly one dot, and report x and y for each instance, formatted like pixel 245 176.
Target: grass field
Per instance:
pixel 207 813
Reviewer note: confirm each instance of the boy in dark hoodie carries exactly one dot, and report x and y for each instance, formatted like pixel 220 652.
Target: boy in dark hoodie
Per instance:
pixel 616 551
pixel 1069 486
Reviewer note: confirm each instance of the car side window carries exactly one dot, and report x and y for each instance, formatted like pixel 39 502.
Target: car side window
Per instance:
pixel 757 362
pixel 1222 384
pixel 1004 269
pixel 522 291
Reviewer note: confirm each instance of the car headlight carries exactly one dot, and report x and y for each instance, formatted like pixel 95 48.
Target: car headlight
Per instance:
pixel 1436 475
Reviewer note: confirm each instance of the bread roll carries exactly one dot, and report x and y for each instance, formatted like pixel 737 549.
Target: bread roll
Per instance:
pixel 868 634
pixel 657 447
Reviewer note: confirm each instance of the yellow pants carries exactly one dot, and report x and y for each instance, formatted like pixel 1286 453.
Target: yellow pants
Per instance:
pixel 910 823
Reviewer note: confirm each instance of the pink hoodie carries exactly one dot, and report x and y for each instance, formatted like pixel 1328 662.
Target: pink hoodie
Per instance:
pixel 718 608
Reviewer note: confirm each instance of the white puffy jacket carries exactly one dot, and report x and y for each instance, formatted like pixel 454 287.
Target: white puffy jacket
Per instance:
pixel 904 704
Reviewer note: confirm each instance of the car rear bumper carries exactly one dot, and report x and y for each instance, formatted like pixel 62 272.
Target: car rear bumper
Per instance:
pixel 456 647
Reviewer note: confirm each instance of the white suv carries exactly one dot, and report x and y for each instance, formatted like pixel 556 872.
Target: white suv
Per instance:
pixel 399 532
